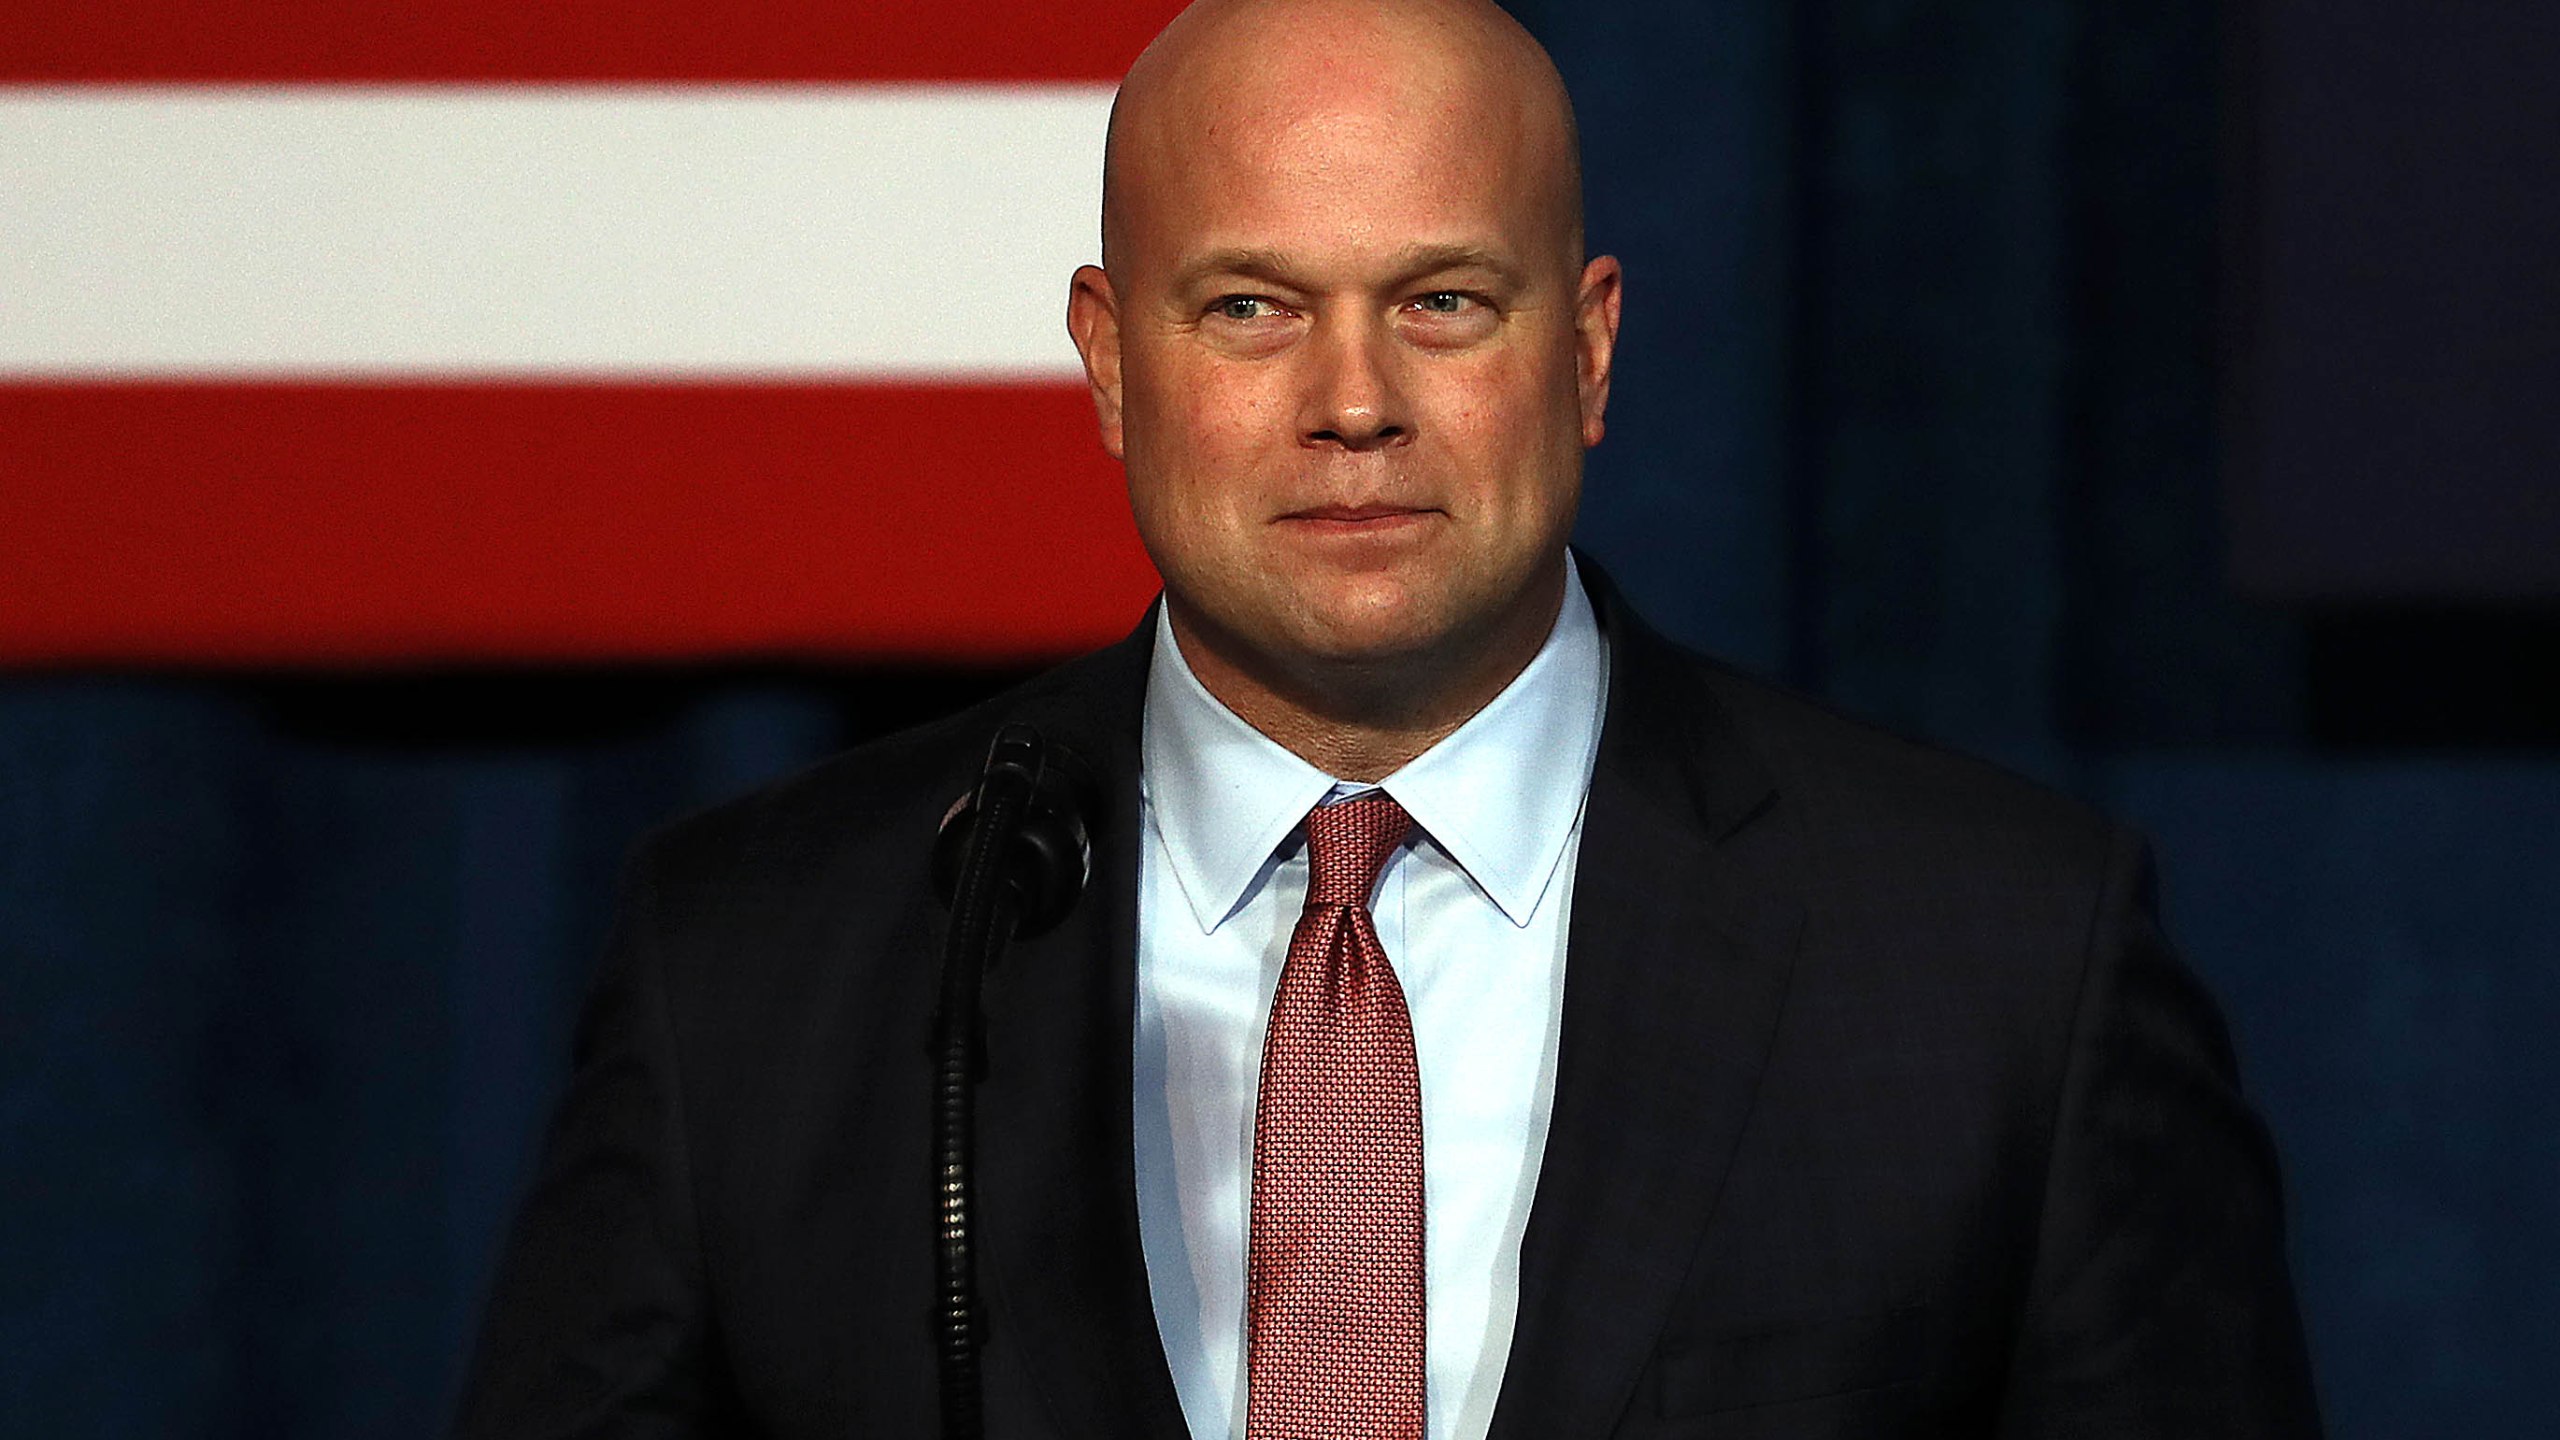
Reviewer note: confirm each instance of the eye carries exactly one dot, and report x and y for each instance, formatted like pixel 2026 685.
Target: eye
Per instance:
pixel 1242 307
pixel 1448 319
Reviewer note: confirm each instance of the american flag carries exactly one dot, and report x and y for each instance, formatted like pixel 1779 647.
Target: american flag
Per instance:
pixel 483 330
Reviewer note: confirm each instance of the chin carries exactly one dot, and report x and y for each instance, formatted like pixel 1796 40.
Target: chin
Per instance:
pixel 1372 628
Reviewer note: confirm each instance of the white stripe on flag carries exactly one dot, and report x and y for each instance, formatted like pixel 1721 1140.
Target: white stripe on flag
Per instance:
pixel 877 231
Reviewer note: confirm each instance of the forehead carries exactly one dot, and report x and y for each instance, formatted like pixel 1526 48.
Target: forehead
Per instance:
pixel 1315 150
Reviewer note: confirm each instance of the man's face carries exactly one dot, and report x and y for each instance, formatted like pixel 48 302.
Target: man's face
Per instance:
pixel 1351 357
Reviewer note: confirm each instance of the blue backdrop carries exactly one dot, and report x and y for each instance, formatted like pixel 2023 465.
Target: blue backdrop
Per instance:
pixel 1918 409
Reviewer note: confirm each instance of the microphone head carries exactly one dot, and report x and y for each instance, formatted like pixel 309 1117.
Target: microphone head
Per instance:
pixel 1049 856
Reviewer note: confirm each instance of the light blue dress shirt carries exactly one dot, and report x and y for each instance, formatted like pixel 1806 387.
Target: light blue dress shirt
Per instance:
pixel 1472 912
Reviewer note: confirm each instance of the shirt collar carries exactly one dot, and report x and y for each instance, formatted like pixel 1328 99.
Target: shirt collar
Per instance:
pixel 1500 795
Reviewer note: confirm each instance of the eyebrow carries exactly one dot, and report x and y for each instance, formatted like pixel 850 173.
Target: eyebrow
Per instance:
pixel 1407 265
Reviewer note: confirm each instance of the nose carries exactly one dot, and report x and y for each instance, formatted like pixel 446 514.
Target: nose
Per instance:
pixel 1354 400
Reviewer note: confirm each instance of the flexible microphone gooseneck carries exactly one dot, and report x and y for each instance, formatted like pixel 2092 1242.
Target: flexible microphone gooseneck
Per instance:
pixel 1010 861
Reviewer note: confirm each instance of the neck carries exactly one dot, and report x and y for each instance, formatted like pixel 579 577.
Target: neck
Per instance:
pixel 1364 719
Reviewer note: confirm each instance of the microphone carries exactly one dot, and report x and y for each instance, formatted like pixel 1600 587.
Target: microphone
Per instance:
pixel 1046 859
pixel 1010 859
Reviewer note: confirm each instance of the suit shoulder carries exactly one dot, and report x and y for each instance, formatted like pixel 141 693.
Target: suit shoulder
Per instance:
pixel 1857 783
pixel 890 792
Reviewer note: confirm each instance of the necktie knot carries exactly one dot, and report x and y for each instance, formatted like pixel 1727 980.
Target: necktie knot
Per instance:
pixel 1348 844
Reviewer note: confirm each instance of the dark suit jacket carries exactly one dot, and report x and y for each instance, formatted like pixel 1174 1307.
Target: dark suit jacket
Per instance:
pixel 1882 1109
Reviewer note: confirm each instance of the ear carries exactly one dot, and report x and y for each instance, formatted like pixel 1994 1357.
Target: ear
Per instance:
pixel 1595 324
pixel 1093 318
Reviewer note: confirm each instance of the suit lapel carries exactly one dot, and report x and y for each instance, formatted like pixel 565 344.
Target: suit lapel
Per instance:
pixel 1685 918
pixel 1060 1261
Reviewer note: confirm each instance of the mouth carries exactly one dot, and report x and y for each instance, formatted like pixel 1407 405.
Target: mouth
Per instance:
pixel 1356 519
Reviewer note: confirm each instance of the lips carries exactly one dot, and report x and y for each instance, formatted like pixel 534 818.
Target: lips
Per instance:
pixel 1355 514
pixel 1363 528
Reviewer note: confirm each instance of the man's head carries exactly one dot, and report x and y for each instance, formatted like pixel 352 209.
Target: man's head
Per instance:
pixel 1345 338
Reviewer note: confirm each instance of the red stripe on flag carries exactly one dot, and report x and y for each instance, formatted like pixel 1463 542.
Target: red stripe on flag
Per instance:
pixel 574 40
pixel 301 523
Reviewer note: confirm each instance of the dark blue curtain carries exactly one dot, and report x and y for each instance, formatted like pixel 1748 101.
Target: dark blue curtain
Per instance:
pixel 1918 409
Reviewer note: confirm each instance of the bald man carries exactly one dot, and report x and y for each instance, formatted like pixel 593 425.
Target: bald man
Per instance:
pixel 1484 1018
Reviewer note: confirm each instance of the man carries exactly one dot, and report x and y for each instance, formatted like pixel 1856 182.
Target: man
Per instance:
pixel 1484 1018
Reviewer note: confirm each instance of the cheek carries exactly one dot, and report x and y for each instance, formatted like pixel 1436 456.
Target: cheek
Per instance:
pixel 1511 431
pixel 1193 454
pixel 1206 435
pixel 1499 416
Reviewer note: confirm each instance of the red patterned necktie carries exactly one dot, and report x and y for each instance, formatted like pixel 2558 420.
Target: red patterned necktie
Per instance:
pixel 1333 1302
